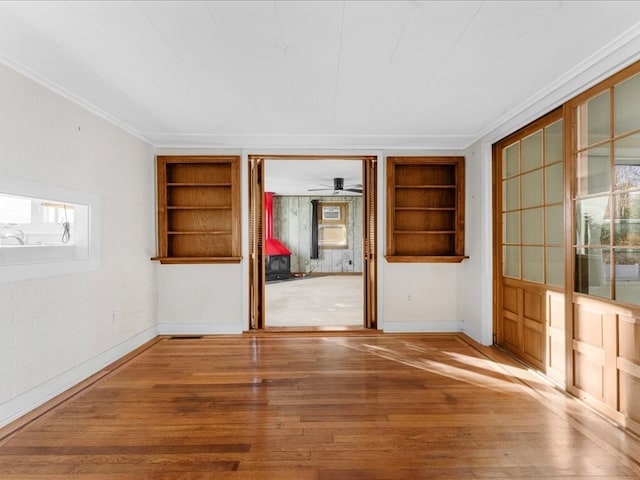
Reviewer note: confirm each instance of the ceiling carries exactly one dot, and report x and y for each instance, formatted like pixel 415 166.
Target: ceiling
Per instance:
pixel 309 74
pixel 323 74
pixel 296 177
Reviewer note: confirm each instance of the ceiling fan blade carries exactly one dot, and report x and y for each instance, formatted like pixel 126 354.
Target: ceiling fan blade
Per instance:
pixel 319 189
pixel 355 190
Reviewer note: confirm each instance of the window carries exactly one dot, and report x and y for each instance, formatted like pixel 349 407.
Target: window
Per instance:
pixel 532 206
pixel 606 161
pixel 26 221
pixel 46 230
pixel 332 227
pixel 36 230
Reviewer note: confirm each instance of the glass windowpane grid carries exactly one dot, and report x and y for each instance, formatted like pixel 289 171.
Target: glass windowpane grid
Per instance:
pixel 607 204
pixel 533 178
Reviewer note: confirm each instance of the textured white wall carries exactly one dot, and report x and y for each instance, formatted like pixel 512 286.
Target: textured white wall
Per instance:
pixel 201 299
pixel 422 297
pixel 476 278
pixel 58 330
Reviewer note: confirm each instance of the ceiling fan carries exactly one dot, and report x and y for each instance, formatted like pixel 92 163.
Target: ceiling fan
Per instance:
pixel 338 187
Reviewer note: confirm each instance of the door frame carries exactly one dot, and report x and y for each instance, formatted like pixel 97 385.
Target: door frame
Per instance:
pixel 255 228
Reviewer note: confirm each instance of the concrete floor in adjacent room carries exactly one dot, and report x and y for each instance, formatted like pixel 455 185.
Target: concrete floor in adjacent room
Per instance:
pixel 315 301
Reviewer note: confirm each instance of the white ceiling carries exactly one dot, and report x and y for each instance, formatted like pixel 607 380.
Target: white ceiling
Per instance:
pixel 296 177
pixel 308 74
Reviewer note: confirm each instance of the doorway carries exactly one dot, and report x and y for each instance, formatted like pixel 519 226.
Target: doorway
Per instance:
pixel 312 227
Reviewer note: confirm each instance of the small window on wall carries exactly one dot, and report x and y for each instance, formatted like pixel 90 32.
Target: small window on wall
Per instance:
pixel 332 225
pixel 35 230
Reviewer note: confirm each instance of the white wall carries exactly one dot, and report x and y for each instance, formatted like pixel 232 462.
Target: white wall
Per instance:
pixel 201 299
pixel 475 281
pixel 475 291
pixel 418 297
pixel 56 331
pixel 206 298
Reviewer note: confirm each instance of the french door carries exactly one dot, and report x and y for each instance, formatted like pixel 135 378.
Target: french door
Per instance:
pixel 529 250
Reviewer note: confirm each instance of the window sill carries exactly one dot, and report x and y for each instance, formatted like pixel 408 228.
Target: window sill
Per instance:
pixel 26 254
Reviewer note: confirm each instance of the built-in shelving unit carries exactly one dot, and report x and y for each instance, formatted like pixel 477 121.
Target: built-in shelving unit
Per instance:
pixel 425 209
pixel 198 209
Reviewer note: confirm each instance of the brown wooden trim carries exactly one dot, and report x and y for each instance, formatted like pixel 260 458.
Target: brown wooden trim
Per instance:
pixel 191 249
pixel 629 367
pixel 569 262
pixel 438 251
pixel 311 157
pixel 257 283
pixel 605 84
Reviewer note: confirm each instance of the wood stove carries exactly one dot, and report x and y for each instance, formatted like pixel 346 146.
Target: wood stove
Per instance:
pixel 277 262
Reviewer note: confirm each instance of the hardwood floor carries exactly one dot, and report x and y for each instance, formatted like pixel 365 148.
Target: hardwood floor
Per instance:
pixel 317 407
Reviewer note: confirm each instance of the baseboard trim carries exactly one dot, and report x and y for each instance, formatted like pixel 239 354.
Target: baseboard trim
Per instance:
pixel 199 328
pixel 394 326
pixel 33 404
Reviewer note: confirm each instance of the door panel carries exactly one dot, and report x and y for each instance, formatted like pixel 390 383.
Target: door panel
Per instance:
pixel 370 273
pixel 556 339
pixel 529 244
pixel 256 259
pixel 629 368
pixel 523 326
pixel 595 354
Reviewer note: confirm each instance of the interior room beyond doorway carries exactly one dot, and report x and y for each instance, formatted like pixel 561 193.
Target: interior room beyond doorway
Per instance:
pixel 313 227
pixel 322 301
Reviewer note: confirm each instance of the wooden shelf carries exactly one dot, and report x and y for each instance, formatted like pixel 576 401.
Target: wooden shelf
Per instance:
pixel 198 209
pixel 424 186
pixel 177 260
pixel 198 184
pixel 197 232
pixel 424 232
pixel 192 207
pixel 425 259
pixel 425 209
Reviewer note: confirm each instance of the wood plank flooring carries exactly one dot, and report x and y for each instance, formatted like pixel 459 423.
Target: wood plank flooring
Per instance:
pixel 318 407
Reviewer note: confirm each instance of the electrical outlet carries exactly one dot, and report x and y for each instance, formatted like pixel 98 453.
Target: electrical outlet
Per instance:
pixel 408 298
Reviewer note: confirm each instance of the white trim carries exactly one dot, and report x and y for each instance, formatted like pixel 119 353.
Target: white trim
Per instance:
pixel 262 142
pixel 395 326
pixel 54 87
pixel 24 403
pixel 199 329
pixel 613 57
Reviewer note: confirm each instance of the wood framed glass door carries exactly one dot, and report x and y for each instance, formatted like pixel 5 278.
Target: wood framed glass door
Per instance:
pixel 529 249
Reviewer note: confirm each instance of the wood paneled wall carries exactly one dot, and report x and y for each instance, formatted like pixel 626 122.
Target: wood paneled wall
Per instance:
pixel 606 355
pixel 292 226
